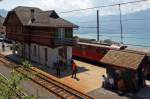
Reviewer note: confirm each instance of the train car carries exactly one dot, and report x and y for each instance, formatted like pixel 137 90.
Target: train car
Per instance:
pixel 91 51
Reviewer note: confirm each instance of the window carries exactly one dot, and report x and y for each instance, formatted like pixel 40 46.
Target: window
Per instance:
pixel 68 33
pixel 61 33
pixel 35 50
pixel 101 50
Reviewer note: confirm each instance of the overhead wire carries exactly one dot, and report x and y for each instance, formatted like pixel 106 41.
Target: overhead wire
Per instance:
pixel 76 10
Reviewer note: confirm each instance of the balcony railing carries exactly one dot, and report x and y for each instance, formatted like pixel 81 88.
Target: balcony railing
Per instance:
pixel 65 41
pixel 43 40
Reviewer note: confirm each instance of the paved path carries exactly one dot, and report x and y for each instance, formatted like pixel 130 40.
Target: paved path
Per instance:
pixel 101 93
pixel 145 92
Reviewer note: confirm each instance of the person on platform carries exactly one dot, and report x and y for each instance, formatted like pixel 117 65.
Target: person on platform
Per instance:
pixel 58 69
pixel 74 69
pixel 111 82
pixel 57 64
pixel 104 79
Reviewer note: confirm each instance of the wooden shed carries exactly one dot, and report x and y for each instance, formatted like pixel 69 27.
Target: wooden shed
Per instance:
pixel 126 68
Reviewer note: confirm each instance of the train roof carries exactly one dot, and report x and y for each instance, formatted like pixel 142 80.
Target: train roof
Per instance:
pixel 101 45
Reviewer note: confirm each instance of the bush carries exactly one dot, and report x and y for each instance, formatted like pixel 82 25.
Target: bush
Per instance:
pixel 26 64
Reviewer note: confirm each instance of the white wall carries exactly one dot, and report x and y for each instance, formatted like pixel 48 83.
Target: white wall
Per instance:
pixel 19 51
pixel 42 55
pixel 13 47
pixel 52 54
pixel 27 51
pixel 69 55
pixel 33 57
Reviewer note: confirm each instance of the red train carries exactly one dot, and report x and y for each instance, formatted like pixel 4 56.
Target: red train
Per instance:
pixel 91 51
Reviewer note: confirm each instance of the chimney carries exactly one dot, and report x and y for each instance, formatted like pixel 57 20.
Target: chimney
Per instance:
pixel 32 15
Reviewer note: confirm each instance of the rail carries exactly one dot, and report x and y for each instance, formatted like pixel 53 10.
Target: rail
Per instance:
pixel 67 87
pixel 53 86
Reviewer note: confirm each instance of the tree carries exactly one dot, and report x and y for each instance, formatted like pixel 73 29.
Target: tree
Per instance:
pixel 108 41
pixel 9 87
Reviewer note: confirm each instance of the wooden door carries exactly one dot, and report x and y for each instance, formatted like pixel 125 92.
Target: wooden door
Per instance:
pixel 46 56
pixel 63 53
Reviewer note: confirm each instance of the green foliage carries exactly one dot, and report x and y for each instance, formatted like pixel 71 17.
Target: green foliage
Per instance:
pixel 16 46
pixel 9 87
pixel 108 41
pixel 26 64
pixel 31 97
pixel 76 37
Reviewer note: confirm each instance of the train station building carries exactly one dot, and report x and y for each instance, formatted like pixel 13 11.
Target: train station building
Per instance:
pixel 40 36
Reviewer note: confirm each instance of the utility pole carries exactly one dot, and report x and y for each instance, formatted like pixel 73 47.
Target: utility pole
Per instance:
pixel 121 27
pixel 97 25
pixel 0 18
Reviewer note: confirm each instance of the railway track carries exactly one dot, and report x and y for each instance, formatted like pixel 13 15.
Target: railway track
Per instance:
pixel 53 86
pixel 60 90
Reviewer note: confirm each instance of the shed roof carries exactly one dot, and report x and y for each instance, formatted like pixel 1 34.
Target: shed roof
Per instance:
pixel 123 59
pixel 42 18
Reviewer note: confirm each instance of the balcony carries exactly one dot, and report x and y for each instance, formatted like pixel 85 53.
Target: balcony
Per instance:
pixel 65 42
pixel 28 38
pixel 42 40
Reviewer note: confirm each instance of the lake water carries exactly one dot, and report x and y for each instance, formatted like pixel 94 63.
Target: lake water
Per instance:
pixel 138 40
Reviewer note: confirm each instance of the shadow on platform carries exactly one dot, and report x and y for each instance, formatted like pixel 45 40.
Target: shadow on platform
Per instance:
pixel 96 63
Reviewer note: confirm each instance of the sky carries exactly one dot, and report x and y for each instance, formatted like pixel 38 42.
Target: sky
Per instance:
pixel 66 5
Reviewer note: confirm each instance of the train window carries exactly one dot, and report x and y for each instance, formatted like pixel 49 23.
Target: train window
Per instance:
pixel 101 50
pixel 79 47
pixel 83 47
pixel 90 47
pixel 98 50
